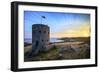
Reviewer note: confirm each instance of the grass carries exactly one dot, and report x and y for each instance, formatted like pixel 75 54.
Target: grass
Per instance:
pixel 54 54
pixel 50 54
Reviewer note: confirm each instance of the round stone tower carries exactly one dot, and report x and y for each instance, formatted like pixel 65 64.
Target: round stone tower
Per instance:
pixel 40 37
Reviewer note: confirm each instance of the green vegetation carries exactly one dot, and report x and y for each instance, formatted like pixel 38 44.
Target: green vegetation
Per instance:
pixel 50 54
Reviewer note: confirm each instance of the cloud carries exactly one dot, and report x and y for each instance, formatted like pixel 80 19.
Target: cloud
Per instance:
pixel 81 31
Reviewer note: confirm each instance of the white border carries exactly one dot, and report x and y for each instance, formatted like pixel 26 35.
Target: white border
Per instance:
pixel 22 64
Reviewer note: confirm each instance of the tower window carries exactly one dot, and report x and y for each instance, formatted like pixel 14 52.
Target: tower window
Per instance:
pixel 42 47
pixel 39 31
pixel 44 31
pixel 42 40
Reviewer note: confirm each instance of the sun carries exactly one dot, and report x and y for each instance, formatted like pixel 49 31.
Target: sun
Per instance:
pixel 85 34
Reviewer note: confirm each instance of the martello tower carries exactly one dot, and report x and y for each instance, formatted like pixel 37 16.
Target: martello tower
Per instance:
pixel 40 37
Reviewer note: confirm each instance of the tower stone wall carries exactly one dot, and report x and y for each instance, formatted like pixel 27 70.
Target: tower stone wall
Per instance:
pixel 40 37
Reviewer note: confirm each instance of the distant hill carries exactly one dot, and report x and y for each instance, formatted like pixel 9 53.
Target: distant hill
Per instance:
pixel 74 39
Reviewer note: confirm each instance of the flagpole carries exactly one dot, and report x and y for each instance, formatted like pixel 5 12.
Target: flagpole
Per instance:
pixel 42 17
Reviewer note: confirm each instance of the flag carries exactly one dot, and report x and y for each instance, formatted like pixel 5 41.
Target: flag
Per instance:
pixel 43 17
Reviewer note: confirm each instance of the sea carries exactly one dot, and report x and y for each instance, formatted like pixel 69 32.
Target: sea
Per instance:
pixel 52 40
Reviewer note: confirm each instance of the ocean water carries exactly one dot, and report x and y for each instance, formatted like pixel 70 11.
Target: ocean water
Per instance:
pixel 51 40
pixel 28 40
pixel 55 40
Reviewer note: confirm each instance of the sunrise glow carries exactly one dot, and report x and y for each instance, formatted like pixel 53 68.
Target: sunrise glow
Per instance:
pixel 61 24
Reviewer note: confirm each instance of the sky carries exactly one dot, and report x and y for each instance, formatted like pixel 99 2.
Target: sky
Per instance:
pixel 61 24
